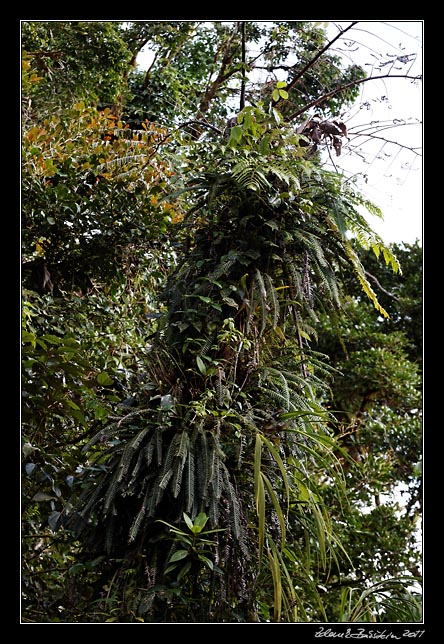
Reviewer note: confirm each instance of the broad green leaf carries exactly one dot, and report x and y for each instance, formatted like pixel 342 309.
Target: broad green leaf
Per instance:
pixel 235 136
pixel 206 561
pixel 99 412
pixel 28 337
pixel 104 379
pixel 201 365
pixel 183 571
pixel 178 555
pixel 188 521
pixel 201 520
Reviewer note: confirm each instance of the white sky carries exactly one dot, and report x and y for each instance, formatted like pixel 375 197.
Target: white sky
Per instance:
pixel 393 173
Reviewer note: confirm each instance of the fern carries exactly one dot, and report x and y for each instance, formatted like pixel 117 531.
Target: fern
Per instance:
pixel 235 522
pixel 134 480
pixel 190 483
pixel 275 307
pixel 250 175
pixel 149 448
pixel 119 162
pixel 359 270
pixel 203 465
pixel 226 263
pixel 135 527
pixel 111 491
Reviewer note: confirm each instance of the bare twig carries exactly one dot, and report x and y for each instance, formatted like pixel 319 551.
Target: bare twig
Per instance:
pixel 337 90
pixel 314 59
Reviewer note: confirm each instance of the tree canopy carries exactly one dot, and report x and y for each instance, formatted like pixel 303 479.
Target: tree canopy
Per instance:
pixel 221 358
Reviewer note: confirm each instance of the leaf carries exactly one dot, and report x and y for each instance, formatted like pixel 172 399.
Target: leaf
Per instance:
pixel 206 561
pixel 201 365
pixel 277 583
pixel 104 379
pixel 277 507
pixel 277 116
pixel 235 136
pixel 52 339
pixel 53 520
pixel 29 468
pixel 28 337
pixel 188 521
pixel 184 570
pixel 200 520
pixel 167 402
pixel 178 555
pixel 27 449
pixel 42 496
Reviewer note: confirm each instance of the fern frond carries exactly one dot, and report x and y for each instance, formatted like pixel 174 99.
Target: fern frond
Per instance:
pixel 134 530
pixel 263 299
pixel 163 483
pixel 119 162
pixel 271 291
pixel 149 448
pixel 313 243
pixel 233 502
pixel 202 466
pixel 109 537
pixel 111 492
pixel 133 482
pixel 250 175
pixel 159 436
pixel 169 458
pixel 360 272
pixel 190 483
pixel 227 261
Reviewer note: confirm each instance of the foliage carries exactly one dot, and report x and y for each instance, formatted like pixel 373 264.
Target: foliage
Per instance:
pixel 93 191
pixel 202 64
pixel 181 362
pixel 73 61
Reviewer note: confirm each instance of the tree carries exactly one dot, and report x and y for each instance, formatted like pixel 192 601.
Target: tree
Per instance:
pixel 228 427
pixel 377 394
pixel 73 61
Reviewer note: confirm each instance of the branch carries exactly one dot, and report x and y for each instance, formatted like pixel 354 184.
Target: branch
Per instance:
pixel 223 74
pixel 376 281
pixel 313 60
pixel 382 138
pixel 202 123
pixel 242 96
pixel 320 100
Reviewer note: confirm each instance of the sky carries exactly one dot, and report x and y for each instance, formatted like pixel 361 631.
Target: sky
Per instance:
pixel 387 165
pixel 394 173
